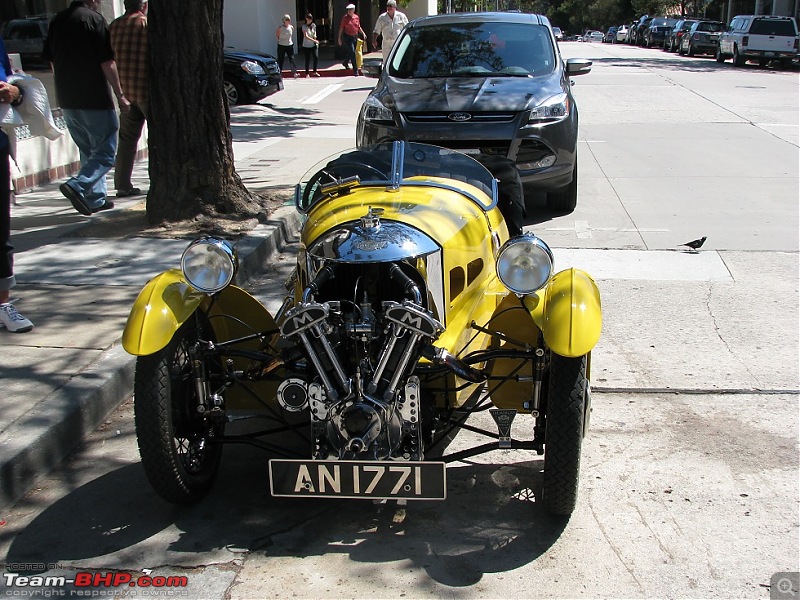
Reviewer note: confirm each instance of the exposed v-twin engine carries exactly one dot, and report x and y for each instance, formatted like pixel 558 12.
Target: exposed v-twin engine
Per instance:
pixel 359 387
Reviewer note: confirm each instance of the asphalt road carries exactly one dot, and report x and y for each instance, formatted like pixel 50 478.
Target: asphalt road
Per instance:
pixel 690 473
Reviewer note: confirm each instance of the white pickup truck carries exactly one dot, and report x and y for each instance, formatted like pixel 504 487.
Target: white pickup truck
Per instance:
pixel 759 37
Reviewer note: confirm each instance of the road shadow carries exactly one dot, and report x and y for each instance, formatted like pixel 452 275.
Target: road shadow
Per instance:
pixel 491 522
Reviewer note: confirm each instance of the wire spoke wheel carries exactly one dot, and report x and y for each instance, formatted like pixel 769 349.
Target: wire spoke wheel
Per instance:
pixel 177 442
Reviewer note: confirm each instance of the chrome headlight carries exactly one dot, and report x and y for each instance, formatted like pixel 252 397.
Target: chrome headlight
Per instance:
pixel 553 109
pixel 252 67
pixel 209 264
pixel 524 264
pixel 374 110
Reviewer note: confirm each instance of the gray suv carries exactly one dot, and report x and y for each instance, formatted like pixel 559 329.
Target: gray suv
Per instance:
pixel 492 85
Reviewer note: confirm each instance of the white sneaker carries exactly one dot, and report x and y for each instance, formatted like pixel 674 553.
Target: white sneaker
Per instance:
pixel 12 320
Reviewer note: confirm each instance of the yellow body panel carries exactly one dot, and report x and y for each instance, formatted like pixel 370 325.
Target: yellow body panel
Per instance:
pixel 514 320
pixel 568 312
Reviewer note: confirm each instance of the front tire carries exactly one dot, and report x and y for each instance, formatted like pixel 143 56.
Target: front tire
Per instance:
pixel 719 56
pixel 565 199
pixel 178 445
pixel 234 91
pixel 566 404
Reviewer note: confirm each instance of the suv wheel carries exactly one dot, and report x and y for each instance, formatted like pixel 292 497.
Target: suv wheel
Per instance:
pixel 690 50
pixel 234 91
pixel 719 56
pixel 566 199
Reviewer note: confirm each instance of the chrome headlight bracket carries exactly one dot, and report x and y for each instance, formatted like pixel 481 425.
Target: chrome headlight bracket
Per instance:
pixel 209 264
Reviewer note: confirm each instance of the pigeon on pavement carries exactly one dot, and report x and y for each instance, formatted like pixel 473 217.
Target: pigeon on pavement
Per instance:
pixel 695 244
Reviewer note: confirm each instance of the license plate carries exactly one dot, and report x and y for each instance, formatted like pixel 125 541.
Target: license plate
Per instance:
pixel 356 479
pixel 769 54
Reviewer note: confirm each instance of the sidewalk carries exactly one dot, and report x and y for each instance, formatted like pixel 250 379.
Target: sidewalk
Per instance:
pixel 59 381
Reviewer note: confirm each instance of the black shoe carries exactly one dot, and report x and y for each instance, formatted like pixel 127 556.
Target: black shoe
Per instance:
pixel 344 64
pixel 74 197
pixel 107 205
pixel 129 192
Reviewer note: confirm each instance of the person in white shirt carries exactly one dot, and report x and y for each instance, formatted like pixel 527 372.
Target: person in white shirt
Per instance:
pixel 388 26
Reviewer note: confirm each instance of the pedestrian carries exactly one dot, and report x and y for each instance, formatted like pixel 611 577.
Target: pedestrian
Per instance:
pixel 388 26
pixel 285 36
pixel 9 316
pixel 349 31
pixel 78 46
pixel 129 42
pixel 310 43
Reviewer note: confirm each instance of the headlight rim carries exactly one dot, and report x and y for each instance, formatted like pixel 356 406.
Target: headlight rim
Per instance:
pixel 225 249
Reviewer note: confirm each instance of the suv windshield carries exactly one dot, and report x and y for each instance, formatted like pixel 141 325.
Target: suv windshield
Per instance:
pixel 473 50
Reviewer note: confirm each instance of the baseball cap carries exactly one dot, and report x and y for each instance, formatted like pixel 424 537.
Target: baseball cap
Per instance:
pixel 349 6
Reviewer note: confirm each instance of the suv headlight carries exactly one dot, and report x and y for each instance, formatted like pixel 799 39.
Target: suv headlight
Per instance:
pixel 209 264
pixel 524 264
pixel 253 67
pixel 374 110
pixel 553 109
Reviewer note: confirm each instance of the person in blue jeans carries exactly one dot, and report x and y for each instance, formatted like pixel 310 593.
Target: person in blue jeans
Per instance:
pixel 78 46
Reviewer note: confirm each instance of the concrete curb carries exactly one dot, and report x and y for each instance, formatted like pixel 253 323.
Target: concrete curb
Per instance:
pixel 58 424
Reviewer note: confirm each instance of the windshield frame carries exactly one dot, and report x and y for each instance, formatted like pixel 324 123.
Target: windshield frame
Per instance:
pixel 401 160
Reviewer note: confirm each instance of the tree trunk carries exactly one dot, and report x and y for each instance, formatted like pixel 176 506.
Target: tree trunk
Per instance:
pixel 191 152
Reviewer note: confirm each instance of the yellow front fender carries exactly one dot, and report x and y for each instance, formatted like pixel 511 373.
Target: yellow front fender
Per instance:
pixel 568 312
pixel 165 303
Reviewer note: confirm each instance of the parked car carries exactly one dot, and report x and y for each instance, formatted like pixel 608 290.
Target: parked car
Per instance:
pixel 637 30
pixel 702 38
pixel 762 38
pixel 250 76
pixel 558 33
pixel 610 36
pixel 622 34
pixel 593 36
pixel 673 39
pixel 489 84
pixel 657 31
pixel 26 38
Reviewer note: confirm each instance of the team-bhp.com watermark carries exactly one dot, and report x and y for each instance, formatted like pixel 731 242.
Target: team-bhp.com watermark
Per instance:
pixel 89 584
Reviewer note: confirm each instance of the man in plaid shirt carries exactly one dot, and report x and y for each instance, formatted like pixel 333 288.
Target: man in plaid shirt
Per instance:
pixel 129 41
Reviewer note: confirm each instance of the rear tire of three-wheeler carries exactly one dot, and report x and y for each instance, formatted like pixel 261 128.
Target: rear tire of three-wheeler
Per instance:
pixel 565 413
pixel 178 444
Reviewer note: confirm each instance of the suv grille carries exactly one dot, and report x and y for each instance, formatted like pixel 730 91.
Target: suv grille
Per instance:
pixel 475 117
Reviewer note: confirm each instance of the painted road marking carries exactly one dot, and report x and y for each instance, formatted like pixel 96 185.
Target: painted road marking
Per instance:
pixel 322 94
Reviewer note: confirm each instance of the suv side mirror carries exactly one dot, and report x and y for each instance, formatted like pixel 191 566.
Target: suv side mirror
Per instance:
pixel 578 66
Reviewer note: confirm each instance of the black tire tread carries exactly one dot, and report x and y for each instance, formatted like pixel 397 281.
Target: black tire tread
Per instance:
pixel 564 434
pixel 154 431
